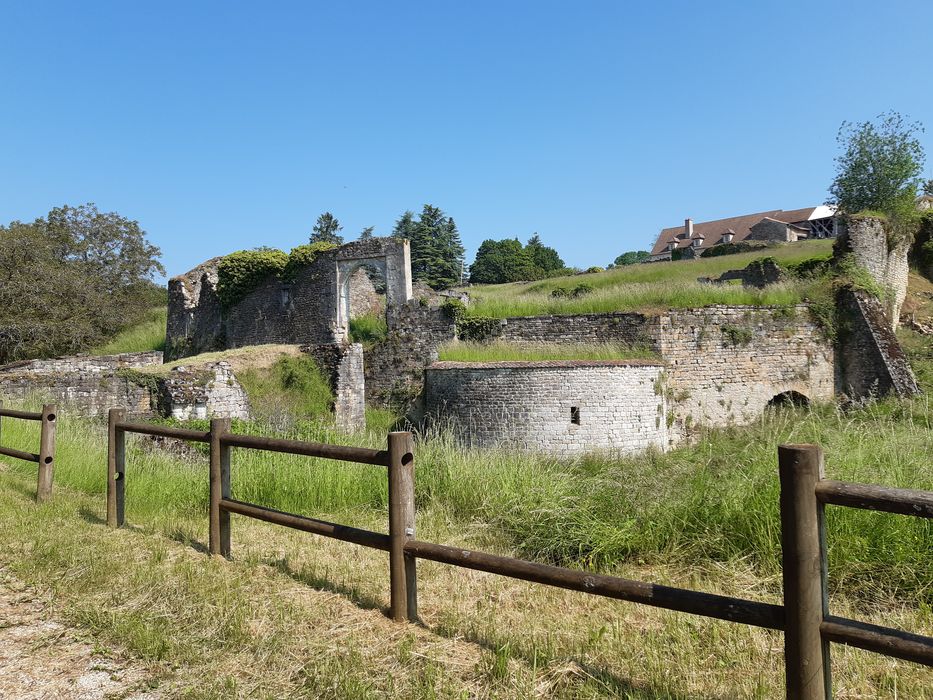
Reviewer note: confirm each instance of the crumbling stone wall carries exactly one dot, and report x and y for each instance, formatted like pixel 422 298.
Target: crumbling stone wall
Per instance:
pixel 884 258
pixel 870 360
pixel 313 309
pixel 560 407
pixel 87 384
pixel 726 363
pixel 623 328
pixel 205 391
pixel 759 274
pixel 343 365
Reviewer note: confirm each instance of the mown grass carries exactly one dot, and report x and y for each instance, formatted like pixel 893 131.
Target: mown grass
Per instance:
pixel 148 334
pixel 501 351
pixel 649 288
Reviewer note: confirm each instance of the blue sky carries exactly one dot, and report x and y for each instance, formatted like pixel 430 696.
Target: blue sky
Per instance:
pixel 222 126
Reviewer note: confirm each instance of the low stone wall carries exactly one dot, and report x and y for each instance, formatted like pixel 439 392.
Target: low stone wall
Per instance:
pixel 207 391
pixel 558 407
pixel 625 328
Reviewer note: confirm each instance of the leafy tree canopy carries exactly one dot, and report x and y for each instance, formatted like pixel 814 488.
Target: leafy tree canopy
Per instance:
pixel 326 230
pixel 367 233
pixel 509 261
pixel 879 167
pixel 436 250
pixel 632 257
pixel 71 280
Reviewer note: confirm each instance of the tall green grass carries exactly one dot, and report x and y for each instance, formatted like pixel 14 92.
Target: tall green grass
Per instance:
pixel 715 501
pixel 368 329
pixel 501 351
pixel 650 287
pixel 148 334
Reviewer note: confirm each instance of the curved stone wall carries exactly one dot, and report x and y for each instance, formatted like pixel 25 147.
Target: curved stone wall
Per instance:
pixel 562 407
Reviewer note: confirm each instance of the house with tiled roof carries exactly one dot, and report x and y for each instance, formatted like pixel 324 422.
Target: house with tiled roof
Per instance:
pixel 776 225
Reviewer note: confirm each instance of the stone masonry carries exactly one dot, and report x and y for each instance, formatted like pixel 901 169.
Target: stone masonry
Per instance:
pixel 564 408
pixel 208 391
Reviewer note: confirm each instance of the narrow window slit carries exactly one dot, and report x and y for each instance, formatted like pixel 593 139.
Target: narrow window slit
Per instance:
pixel 575 415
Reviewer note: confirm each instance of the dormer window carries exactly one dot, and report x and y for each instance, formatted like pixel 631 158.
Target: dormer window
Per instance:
pixel 697 242
pixel 727 237
pixel 672 246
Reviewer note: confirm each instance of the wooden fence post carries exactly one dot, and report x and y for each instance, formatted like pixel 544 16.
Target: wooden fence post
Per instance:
pixel 806 657
pixel 46 453
pixel 116 468
pixel 219 528
pixel 402 570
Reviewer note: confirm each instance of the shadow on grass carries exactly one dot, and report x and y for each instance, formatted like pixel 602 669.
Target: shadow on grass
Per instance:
pixel 358 598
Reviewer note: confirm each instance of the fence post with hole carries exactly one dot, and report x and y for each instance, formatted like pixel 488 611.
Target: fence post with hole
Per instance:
pixel 219 527
pixel 805 655
pixel 116 468
pixel 402 570
pixel 46 453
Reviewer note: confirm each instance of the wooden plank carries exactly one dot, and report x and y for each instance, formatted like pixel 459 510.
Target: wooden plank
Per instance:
pixel 707 604
pixel 25 415
pixel 309 449
pixel 19 454
pixel 366 538
pixel 872 497
pixel 165 431
pixel 882 640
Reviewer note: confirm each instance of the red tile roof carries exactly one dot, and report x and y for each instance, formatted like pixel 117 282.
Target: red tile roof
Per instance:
pixel 712 231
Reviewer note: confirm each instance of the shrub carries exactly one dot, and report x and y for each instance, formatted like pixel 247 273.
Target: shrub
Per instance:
pixel 731 249
pixel 478 329
pixel 240 273
pixel 582 290
pixel 560 292
pixel 304 255
pixel 594 268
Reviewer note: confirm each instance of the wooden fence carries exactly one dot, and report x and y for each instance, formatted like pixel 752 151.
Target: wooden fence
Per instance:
pixel 45 458
pixel 804 618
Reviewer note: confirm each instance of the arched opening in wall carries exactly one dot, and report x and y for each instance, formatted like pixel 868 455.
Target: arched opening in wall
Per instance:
pixel 365 299
pixel 789 399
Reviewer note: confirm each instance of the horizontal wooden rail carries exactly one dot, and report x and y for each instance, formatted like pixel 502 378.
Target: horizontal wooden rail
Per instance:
pixel 18 454
pixel 307 449
pixel 882 640
pixel 25 415
pixel 165 431
pixel 707 604
pixel 367 538
pixel 871 497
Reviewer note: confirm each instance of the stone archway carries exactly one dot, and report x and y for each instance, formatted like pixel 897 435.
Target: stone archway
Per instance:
pixel 391 257
pixel 789 398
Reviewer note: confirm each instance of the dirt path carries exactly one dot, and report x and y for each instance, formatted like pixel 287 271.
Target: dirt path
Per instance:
pixel 41 659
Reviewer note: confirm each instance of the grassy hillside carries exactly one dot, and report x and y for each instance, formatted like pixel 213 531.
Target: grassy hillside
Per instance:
pixel 148 334
pixel 649 288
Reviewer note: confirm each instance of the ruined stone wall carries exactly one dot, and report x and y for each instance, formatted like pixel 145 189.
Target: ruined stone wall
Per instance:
pixel 558 407
pixel 86 384
pixel 394 367
pixel 870 360
pixel 207 391
pixel 725 363
pixel 867 240
pixel 312 309
pixel 343 366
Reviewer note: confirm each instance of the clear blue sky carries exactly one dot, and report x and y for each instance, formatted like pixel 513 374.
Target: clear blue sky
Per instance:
pixel 228 125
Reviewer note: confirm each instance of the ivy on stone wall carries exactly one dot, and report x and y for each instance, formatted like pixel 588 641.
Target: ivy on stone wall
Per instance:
pixel 470 328
pixel 240 273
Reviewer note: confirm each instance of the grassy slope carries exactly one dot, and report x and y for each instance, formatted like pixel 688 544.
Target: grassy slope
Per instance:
pixel 648 287
pixel 148 334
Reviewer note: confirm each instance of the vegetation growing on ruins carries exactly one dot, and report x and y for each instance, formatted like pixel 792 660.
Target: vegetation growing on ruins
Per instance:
pixel 502 352
pixel 368 329
pixel 243 271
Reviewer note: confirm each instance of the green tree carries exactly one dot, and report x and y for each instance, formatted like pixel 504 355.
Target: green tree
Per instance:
pixel 94 273
pixel 503 261
pixel 543 257
pixel 632 257
pixel 879 167
pixel 436 250
pixel 326 230
pixel 367 233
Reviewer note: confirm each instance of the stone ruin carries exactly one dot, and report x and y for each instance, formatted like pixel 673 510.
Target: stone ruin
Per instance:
pixel 720 365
